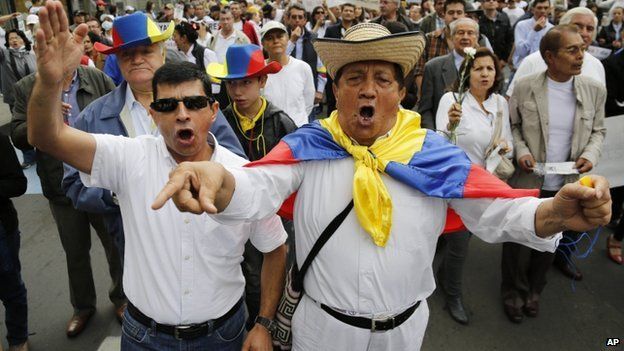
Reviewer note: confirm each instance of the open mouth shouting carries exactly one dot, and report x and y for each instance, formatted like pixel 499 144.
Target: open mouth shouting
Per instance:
pixel 185 136
pixel 366 115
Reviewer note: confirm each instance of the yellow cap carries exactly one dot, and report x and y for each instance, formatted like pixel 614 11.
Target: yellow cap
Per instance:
pixel 586 180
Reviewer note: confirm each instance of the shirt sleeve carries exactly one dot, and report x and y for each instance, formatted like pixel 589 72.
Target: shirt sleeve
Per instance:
pixel 260 191
pixel 308 90
pixel 268 234
pixel 115 156
pixel 506 132
pixel 501 220
pixel 442 118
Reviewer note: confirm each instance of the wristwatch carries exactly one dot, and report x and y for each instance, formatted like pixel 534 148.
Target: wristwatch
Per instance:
pixel 269 324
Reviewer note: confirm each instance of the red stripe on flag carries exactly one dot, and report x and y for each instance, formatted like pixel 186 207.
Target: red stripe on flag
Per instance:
pixel 280 154
pixel 481 183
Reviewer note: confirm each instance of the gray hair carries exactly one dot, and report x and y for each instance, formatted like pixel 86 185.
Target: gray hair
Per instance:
pixel 464 20
pixel 580 11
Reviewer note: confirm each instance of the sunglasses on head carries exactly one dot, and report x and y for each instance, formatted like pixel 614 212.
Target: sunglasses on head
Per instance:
pixel 190 102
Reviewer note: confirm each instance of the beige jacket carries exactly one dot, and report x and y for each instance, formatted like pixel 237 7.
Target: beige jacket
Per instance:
pixel 529 124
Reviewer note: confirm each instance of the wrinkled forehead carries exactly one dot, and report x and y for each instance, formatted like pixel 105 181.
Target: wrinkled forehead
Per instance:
pixel 376 66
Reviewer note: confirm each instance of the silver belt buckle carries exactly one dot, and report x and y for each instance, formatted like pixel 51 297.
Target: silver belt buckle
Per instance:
pixel 375 321
pixel 176 331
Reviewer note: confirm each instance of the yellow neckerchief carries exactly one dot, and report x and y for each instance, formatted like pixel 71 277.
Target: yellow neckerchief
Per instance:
pixel 246 123
pixel 372 202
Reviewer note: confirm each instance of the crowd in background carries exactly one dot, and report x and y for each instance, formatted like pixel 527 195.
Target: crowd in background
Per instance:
pixel 582 90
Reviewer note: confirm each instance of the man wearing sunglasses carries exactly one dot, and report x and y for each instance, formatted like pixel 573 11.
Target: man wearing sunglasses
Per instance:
pixel 182 273
pixel 139 47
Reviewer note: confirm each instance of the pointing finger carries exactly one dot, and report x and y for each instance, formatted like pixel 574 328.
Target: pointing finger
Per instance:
pixel 175 184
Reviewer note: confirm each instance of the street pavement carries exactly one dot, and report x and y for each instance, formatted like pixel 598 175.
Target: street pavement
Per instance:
pixel 581 316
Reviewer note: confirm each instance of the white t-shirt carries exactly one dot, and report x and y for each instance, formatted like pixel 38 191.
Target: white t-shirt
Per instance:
pixel 222 44
pixel 534 63
pixel 179 268
pixel 561 112
pixel 513 14
pixel 238 25
pixel 292 90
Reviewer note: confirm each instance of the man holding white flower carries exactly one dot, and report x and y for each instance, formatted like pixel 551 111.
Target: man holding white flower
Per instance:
pixel 441 72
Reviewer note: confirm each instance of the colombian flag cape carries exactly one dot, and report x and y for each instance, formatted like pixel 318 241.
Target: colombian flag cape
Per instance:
pixel 437 168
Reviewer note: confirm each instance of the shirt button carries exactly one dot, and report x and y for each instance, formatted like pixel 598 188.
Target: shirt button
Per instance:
pixel 187 257
pixel 186 220
pixel 186 292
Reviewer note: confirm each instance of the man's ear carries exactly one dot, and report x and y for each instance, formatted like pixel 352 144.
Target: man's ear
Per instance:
pixel 402 93
pixel 262 80
pixel 215 110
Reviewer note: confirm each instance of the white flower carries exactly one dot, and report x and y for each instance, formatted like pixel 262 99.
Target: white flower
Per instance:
pixel 470 52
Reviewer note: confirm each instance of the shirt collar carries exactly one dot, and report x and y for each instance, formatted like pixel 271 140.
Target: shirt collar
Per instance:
pixel 457 59
pixel 131 102
pixel 73 82
pixel 190 50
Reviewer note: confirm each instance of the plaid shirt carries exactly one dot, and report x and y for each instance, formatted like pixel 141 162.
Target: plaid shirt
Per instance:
pixel 434 47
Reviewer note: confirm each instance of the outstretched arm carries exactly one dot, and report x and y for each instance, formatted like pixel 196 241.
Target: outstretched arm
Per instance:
pixel 58 54
pixel 575 207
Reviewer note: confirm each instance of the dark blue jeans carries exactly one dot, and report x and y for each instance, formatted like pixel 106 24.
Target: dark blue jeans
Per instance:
pixel 12 289
pixel 229 337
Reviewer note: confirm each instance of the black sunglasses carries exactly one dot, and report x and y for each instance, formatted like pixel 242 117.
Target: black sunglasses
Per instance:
pixel 190 102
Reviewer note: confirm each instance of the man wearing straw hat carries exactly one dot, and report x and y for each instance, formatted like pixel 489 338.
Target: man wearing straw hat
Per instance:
pixel 367 287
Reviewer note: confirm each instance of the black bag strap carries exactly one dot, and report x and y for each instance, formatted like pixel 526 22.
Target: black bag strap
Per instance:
pixel 18 76
pixel 320 242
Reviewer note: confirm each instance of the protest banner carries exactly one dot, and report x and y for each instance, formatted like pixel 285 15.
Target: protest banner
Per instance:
pixel 611 163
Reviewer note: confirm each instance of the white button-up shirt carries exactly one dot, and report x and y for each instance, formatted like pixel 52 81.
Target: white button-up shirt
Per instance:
pixel 141 119
pixel 527 40
pixel 352 273
pixel 179 268
pixel 476 128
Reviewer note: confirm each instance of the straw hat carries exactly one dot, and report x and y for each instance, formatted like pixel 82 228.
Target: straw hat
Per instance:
pixel 370 42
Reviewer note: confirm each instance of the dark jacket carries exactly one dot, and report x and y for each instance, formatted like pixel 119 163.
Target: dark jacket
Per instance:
pixel 499 33
pixel 614 71
pixel 608 34
pixel 93 83
pixel 411 26
pixel 334 31
pixel 275 126
pixel 309 55
pixel 13 67
pixel 12 184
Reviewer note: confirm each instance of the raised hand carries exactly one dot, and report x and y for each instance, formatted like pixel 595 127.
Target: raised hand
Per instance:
pixel 58 51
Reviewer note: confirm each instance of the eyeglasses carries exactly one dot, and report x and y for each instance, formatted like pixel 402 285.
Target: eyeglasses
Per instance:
pixel 297 17
pixel 192 103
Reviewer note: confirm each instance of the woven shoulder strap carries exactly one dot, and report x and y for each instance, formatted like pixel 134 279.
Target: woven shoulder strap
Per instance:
pixel 320 242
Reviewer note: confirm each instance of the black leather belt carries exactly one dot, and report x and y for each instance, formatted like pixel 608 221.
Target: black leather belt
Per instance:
pixel 372 324
pixel 184 332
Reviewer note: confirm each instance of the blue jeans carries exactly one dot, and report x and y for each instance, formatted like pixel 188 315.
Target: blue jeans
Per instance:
pixel 229 337
pixel 12 289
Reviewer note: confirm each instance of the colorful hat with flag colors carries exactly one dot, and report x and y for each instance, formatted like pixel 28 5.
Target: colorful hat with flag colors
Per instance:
pixel 134 30
pixel 243 61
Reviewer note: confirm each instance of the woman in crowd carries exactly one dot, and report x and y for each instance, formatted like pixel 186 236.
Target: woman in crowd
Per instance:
pixel 318 23
pixel 360 14
pixel 415 13
pixel 17 61
pixel 611 36
pixel 474 118
pixel 97 58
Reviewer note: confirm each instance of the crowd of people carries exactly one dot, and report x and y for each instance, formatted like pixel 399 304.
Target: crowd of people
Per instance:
pixel 430 105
